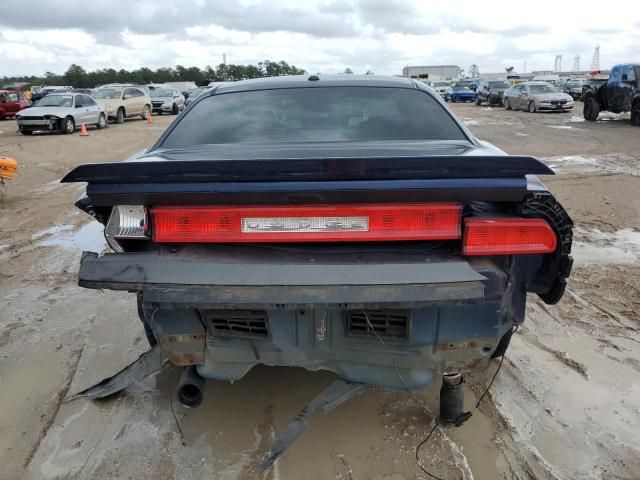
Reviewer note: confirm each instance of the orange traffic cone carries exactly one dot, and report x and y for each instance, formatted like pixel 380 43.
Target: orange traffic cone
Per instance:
pixel 149 119
pixel 8 167
pixel 83 130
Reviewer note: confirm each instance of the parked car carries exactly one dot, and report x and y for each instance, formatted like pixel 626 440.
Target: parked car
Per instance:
pixel 441 87
pixel 537 97
pixel 166 100
pixel 195 93
pixel 124 102
pixel 459 93
pixel 591 84
pixel 279 223
pixel 491 92
pixel 621 93
pixel 44 91
pixel 61 112
pixel 572 87
pixel 11 102
pixel 88 91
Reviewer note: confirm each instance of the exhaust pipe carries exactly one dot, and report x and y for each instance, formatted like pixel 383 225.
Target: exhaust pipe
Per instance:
pixel 190 387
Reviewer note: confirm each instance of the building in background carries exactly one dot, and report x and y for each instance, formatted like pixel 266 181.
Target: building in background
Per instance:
pixel 432 72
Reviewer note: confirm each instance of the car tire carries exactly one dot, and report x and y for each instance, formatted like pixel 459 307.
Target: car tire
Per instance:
pixel 478 101
pixel 507 104
pixel 102 122
pixel 120 116
pixel 146 112
pixel 532 107
pixel 591 109
pixel 635 114
pixel 26 132
pixel 175 110
pixel 68 125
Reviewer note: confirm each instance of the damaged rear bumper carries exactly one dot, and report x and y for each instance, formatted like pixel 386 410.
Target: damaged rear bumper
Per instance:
pixel 358 315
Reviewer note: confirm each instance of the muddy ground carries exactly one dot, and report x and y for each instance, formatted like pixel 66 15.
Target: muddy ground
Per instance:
pixel 566 404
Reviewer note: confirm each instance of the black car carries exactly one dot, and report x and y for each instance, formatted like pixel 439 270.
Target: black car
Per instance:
pixel 590 85
pixel 343 223
pixel 620 93
pixel 572 87
pixel 491 92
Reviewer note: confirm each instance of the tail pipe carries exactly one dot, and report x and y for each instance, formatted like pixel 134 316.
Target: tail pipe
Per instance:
pixel 190 387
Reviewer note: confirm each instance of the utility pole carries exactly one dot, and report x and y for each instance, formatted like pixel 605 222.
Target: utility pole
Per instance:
pixel 524 68
pixel 576 63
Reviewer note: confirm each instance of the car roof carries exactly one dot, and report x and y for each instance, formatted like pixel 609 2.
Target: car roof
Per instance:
pixel 311 81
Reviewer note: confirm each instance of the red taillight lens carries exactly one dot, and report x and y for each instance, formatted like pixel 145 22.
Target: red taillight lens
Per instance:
pixel 311 223
pixel 507 236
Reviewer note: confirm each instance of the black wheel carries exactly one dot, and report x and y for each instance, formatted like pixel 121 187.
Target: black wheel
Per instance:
pixel 120 116
pixel 507 104
pixel 532 107
pixel 489 102
pixel 591 109
pixel 146 112
pixel 635 114
pixel 174 109
pixel 68 125
pixel 102 122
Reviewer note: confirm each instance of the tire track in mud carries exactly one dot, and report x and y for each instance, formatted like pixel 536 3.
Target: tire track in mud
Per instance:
pixel 59 400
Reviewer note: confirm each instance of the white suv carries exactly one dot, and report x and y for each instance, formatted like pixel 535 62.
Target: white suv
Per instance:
pixel 121 102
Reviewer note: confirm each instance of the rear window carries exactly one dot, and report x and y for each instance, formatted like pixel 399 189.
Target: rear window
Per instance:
pixel 315 114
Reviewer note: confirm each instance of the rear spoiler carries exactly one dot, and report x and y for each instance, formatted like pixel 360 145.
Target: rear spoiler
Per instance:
pixel 305 169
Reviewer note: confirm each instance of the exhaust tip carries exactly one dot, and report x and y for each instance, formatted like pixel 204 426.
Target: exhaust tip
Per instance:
pixel 190 388
pixel 190 395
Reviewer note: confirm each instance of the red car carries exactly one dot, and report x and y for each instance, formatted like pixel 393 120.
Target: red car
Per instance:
pixel 11 102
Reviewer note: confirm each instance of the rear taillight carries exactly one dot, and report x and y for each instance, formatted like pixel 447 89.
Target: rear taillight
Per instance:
pixel 127 222
pixel 310 223
pixel 507 236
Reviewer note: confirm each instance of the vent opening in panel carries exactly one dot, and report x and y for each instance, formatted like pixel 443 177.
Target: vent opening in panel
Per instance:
pixel 385 323
pixel 237 323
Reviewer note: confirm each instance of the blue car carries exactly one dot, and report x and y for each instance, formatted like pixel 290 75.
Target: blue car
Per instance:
pixel 459 93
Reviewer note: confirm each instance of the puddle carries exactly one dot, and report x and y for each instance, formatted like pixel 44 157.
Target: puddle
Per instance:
pixel 562 127
pixel 87 237
pixel 520 134
pixel 594 246
pixel 575 119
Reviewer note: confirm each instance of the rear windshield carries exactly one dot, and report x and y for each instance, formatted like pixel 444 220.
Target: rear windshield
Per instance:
pixel 315 114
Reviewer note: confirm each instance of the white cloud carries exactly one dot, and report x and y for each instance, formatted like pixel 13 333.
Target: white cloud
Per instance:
pixel 318 35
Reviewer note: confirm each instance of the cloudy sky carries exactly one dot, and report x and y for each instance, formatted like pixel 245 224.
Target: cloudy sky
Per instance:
pixel 319 36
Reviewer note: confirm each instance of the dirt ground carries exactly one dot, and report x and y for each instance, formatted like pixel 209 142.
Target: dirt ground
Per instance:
pixel 565 406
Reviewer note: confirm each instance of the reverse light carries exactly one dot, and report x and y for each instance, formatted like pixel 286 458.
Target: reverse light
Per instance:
pixel 126 222
pixel 507 236
pixel 309 223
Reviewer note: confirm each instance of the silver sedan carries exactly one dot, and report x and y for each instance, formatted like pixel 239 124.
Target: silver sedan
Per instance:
pixel 61 112
pixel 537 97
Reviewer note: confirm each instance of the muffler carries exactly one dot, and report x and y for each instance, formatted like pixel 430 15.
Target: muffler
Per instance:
pixel 190 387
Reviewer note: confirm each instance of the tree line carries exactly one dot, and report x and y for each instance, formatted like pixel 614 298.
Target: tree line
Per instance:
pixel 78 77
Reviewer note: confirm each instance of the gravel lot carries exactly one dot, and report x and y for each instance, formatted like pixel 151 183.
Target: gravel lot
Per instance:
pixel 566 404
